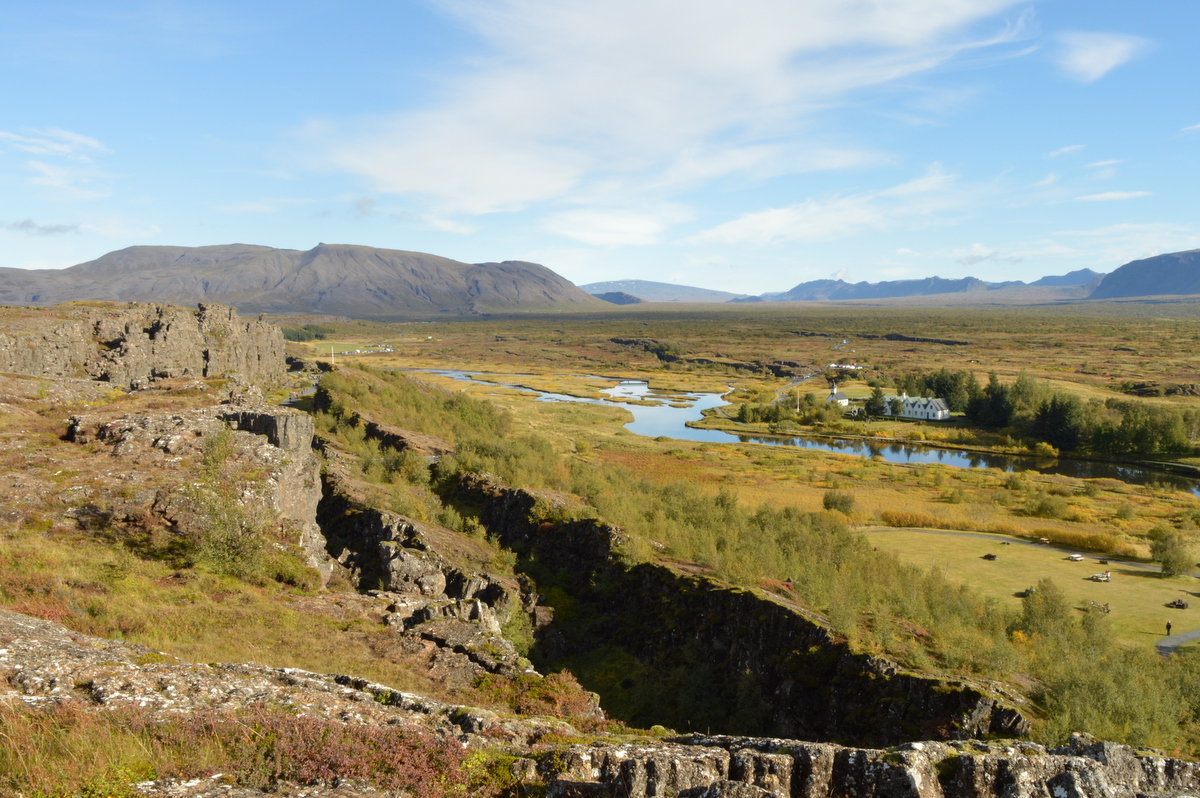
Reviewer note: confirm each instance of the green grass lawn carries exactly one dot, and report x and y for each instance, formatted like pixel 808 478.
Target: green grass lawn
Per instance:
pixel 1136 596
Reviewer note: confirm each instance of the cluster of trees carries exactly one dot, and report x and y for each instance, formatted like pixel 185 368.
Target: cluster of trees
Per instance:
pixel 1032 410
pixel 309 332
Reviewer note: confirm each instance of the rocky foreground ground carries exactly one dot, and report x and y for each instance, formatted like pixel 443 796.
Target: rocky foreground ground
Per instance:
pixel 44 663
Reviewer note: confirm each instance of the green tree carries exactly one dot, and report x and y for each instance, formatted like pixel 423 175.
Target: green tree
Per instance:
pixel 875 404
pixel 1059 422
pixel 896 405
pixel 1173 553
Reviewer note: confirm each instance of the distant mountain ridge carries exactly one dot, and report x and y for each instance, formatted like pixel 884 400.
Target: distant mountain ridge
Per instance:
pixel 651 291
pixel 1174 273
pixel 340 279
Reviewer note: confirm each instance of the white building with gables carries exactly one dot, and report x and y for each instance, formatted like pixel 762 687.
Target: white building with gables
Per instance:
pixel 918 407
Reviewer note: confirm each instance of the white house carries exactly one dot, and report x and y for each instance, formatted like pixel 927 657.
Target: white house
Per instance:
pixel 918 407
pixel 836 396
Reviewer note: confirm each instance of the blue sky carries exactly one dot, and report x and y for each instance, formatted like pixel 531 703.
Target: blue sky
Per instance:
pixel 742 146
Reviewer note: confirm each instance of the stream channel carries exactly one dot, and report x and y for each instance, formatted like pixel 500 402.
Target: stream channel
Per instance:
pixel 663 420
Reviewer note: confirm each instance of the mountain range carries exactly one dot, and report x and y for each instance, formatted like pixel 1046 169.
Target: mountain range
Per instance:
pixel 335 279
pixel 367 282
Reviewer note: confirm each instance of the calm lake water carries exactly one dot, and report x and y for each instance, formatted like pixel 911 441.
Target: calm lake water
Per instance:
pixel 663 420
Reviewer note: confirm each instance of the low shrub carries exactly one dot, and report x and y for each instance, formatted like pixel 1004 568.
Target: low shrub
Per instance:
pixel 67 750
pixel 907 518
pixel 840 500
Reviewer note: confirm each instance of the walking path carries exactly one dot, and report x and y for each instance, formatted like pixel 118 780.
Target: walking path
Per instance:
pixel 1167 645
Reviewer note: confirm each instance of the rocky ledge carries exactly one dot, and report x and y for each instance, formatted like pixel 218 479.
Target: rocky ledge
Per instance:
pixel 132 342
pixel 45 663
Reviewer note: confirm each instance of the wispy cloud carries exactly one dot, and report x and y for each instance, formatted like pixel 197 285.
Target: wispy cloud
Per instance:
pixel 30 227
pixel 1065 150
pixel 434 222
pixel 1098 164
pixel 1087 57
pixel 69 182
pixel 613 227
pixel 605 100
pixel 1113 245
pixel 1048 180
pixel 1110 196
pixel 978 253
pixel 1190 128
pixel 914 203
pixel 54 141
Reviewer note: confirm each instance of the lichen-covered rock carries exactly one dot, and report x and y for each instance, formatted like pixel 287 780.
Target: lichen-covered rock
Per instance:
pixel 695 767
pixel 131 343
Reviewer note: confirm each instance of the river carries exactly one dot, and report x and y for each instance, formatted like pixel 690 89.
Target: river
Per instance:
pixel 662 420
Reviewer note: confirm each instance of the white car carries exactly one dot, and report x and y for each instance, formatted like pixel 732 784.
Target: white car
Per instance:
pixel 1076 558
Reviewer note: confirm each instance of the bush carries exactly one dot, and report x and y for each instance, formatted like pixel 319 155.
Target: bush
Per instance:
pixel 906 518
pixel 1044 506
pixel 840 500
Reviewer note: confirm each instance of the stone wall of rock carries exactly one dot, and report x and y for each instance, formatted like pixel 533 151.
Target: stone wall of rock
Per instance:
pixel 711 767
pixel 123 343
pixel 754 660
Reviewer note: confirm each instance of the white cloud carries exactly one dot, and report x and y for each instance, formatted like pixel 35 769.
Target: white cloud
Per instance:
pixel 54 141
pixel 1090 56
pixel 1110 196
pixel 1065 150
pixel 1103 163
pixel 446 225
pixel 1190 128
pixel 905 251
pixel 1114 245
pixel 976 253
pixel 573 97
pixel 1049 179
pixel 614 227
pixel 908 204
pixel 68 182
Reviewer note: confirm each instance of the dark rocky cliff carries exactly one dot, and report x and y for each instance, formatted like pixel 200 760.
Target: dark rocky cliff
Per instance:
pixel 124 343
pixel 689 652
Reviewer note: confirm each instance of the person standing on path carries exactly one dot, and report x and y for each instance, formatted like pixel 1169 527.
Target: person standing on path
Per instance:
pixel 1168 628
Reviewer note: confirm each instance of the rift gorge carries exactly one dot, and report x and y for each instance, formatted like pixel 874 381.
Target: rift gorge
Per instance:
pixel 434 555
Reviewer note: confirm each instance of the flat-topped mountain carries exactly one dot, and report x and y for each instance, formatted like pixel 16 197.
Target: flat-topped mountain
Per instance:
pixel 651 291
pixel 340 279
pixel 1172 273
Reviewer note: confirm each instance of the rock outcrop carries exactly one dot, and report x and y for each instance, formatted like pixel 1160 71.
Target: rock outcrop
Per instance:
pixel 709 767
pixel 439 597
pixel 124 343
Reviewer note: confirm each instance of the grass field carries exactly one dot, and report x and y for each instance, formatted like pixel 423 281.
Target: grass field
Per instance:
pixel 1135 595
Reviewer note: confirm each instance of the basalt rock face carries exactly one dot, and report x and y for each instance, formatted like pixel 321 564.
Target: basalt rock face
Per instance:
pixel 439 599
pixel 709 767
pixel 124 343
pixel 691 652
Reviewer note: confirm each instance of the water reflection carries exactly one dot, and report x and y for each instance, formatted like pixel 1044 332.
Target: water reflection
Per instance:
pixel 660 419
